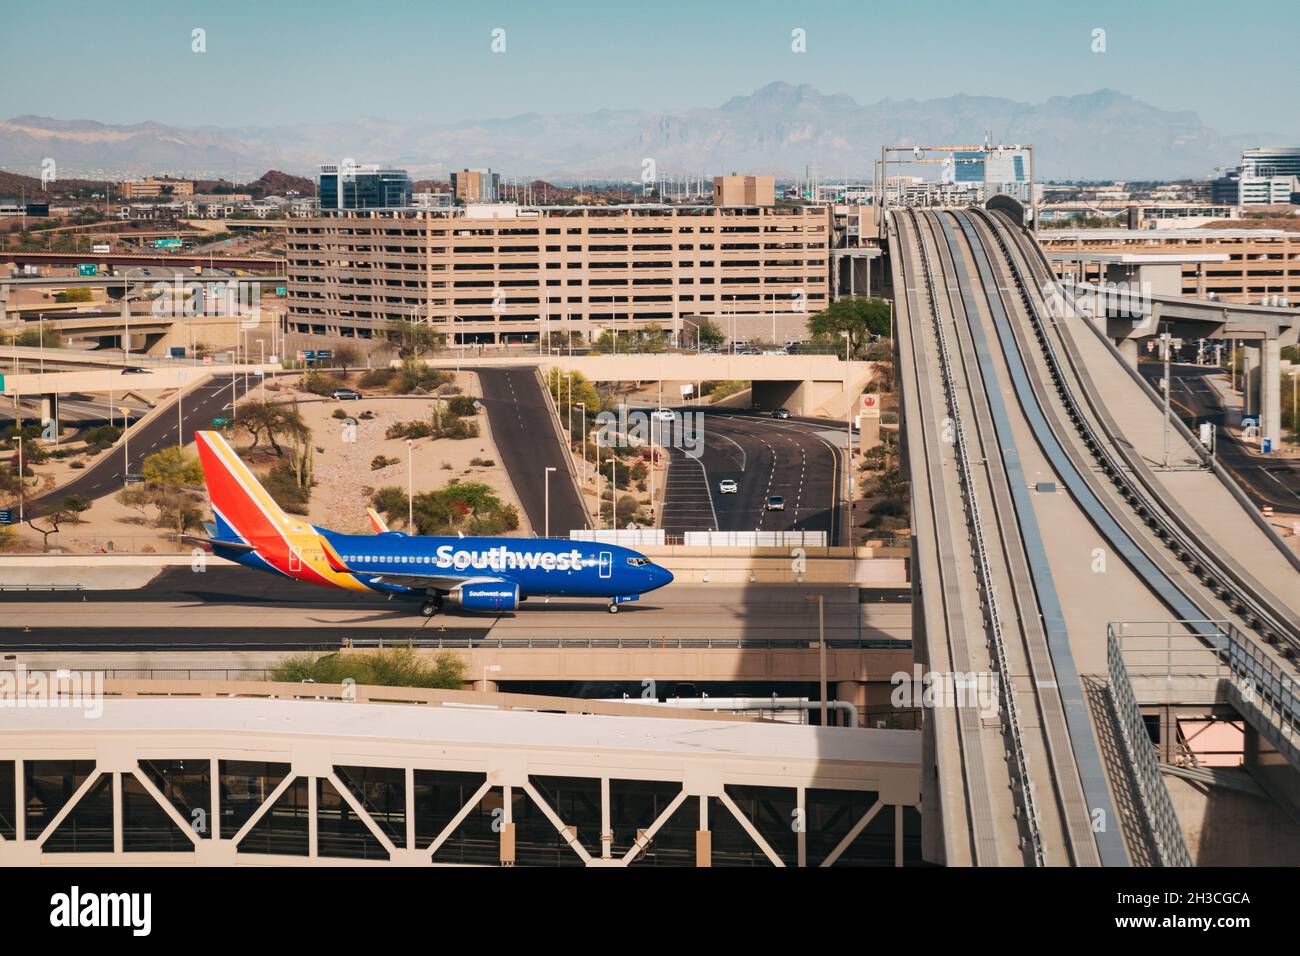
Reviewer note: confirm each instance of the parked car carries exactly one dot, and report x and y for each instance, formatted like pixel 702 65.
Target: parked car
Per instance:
pixel 345 394
pixel 780 413
pixel 775 503
pixel 727 486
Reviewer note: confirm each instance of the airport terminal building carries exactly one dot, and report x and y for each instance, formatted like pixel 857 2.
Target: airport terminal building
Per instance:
pixel 500 273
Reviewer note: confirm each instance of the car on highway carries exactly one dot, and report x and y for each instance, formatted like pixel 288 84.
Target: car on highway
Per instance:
pixel 135 370
pixel 345 394
pixel 727 486
pixel 780 413
pixel 775 503
pixel 662 414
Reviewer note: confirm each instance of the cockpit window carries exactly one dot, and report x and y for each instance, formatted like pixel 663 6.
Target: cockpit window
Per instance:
pixel 638 562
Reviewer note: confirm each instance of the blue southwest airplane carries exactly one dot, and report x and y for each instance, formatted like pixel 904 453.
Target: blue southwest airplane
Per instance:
pixel 474 574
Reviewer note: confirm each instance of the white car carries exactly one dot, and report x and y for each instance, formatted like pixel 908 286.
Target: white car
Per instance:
pixel 727 486
pixel 662 414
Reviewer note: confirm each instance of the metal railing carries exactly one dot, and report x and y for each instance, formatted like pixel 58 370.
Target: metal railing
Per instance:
pixel 1173 649
pixel 1158 808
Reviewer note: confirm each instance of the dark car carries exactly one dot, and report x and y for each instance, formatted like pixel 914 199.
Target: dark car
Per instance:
pixel 780 413
pixel 135 370
pixel 345 394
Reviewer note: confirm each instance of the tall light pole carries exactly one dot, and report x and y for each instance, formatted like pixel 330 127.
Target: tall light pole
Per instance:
pixel 22 481
pixel 126 445
pixel 821 646
pixel 583 406
pixel 1164 351
pixel 410 484
pixel 180 415
pixel 546 480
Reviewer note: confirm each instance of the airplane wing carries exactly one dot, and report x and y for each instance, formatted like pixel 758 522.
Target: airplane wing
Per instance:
pixel 430 582
pixel 218 543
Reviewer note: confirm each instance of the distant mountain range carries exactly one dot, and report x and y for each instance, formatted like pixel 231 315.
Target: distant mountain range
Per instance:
pixel 780 129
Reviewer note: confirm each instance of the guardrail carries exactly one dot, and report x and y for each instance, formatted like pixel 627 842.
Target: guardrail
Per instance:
pixel 618 643
pixel 1158 808
pixel 1152 650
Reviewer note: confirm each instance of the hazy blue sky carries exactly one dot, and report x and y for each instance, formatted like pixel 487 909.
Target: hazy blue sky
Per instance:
pixel 276 61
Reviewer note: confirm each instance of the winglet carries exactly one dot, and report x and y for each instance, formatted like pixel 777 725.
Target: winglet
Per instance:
pixel 377 522
pixel 332 557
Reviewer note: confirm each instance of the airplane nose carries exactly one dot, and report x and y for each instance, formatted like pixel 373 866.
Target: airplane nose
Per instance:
pixel 662 576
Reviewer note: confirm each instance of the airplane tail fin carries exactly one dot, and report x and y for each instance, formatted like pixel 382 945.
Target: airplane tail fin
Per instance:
pixel 244 510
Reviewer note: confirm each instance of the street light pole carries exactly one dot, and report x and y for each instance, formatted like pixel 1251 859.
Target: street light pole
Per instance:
pixel 180 415
pixel 546 481
pixel 410 485
pixel 126 445
pixel 1164 347
pixel 821 647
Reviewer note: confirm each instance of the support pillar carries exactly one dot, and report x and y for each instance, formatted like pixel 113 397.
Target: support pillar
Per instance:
pixel 1270 393
pixel 50 416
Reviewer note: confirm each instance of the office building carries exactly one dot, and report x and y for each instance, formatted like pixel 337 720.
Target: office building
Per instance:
pixel 1269 161
pixel 736 190
pixel 475 186
pixel 1235 265
pixel 363 187
pixel 502 273
pixel 1266 190
pixel 152 188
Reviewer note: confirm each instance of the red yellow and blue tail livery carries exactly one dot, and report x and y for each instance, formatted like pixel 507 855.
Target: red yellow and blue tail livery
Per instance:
pixel 474 574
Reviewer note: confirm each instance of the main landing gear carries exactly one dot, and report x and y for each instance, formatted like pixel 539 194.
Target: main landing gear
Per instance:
pixel 432 606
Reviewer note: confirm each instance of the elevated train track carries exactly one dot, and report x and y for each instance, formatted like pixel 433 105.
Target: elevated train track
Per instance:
pixel 1002 411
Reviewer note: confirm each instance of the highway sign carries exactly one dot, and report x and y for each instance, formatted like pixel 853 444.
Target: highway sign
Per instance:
pixel 166 243
pixel 6 516
pixel 87 269
pixel 220 422
pixel 280 291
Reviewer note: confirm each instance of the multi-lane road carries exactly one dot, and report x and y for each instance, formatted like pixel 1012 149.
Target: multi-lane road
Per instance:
pixel 798 460
pixel 1275 483
pixel 524 432
pixel 198 408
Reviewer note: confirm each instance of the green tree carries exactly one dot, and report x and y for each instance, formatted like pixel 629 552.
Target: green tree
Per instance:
pixel 32 338
pixel 273 420
pixel 414 339
pixel 172 479
pixel 709 333
pixel 67 511
pixel 860 317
